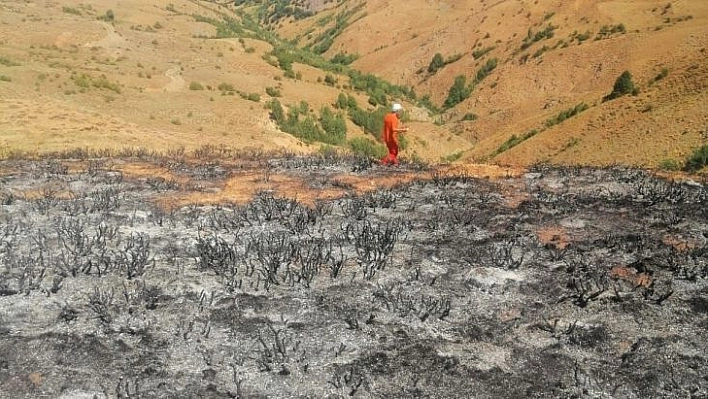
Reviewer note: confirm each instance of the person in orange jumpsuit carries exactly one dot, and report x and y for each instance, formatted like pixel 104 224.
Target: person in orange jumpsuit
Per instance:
pixel 391 129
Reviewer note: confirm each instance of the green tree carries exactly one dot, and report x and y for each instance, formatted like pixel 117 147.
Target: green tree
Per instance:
pixel 276 111
pixel 623 86
pixel 342 102
pixel 458 93
pixel 333 125
pixel 436 63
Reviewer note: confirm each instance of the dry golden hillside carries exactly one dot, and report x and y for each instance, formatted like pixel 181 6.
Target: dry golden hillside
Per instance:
pixel 592 43
pixel 162 75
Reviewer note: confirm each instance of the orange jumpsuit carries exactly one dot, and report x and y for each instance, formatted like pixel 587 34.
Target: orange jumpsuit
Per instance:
pixel 390 138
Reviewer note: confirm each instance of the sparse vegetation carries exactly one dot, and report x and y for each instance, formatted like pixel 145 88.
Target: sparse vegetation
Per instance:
pixel 513 141
pixel 469 117
pixel 70 10
pixel 532 37
pixel 5 78
pixel 662 74
pixel 85 81
pixel 477 54
pixel 566 114
pixel 8 62
pixel 195 86
pixel 606 31
pixel 438 62
pixel 485 70
pixel 452 157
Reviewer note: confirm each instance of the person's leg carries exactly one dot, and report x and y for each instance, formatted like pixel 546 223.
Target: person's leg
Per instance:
pixel 390 157
pixel 394 153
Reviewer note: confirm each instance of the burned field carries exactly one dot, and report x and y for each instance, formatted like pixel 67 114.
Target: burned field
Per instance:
pixel 558 282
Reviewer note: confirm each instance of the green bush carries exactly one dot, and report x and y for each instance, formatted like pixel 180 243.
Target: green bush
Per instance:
pixel 5 78
pixel 70 10
pixel 272 91
pixel 367 147
pixel 664 73
pixel 514 140
pixel 485 70
pixel 698 160
pixel 344 59
pixel 623 86
pixel 226 88
pixel 477 54
pixel 333 125
pixel 532 37
pixel 195 86
pixel 459 92
pixel 566 114
pixel 452 157
pixel 8 62
pixel 436 63
pixel 669 165
pixel 330 80
pixel 109 16
pixel 370 121
pixel 298 122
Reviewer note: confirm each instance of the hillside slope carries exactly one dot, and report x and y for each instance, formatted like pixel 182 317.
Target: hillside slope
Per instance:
pixel 550 57
pixel 108 74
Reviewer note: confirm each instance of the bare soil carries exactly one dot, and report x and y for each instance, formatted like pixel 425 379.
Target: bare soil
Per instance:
pixel 334 277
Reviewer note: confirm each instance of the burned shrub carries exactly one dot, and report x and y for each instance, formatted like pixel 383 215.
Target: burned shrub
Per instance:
pixel 135 257
pixel 273 252
pixel 216 254
pixel 106 200
pixel 396 299
pixel 373 244
pixel 101 303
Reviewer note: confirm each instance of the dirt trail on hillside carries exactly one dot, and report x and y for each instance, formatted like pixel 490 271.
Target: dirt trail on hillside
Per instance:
pixel 177 82
pixel 112 41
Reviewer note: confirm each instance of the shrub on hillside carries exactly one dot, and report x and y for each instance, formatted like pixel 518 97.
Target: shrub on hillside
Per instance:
pixel 436 63
pixel 698 160
pixel 459 92
pixel 343 59
pixel 566 114
pixel 272 91
pixel 623 86
pixel 367 147
pixel 333 125
pixel 370 121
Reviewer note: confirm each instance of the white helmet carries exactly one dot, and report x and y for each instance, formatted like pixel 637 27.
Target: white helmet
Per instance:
pixel 396 107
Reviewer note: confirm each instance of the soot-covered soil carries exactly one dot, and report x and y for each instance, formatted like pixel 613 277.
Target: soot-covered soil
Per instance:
pixel 556 283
